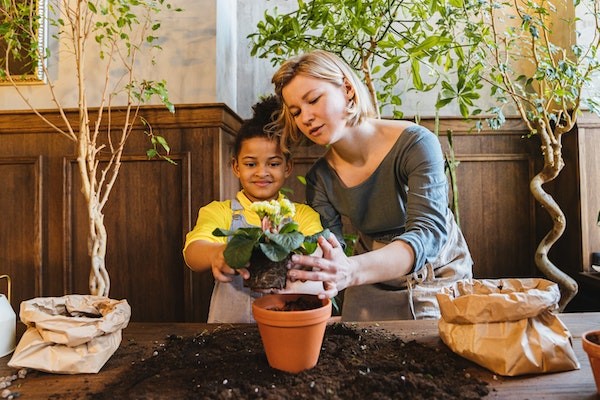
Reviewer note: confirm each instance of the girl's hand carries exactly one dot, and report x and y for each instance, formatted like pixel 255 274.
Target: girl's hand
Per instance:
pixel 223 272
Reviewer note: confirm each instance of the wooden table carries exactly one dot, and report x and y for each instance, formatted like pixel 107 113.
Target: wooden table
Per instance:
pixel 578 384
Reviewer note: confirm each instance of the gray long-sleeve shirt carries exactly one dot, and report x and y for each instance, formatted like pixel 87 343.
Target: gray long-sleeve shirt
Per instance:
pixel 406 197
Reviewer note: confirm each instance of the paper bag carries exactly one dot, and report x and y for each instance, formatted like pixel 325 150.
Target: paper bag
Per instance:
pixel 507 325
pixel 71 334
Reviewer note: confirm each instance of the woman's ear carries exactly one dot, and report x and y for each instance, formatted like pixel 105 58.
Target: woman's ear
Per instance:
pixel 348 89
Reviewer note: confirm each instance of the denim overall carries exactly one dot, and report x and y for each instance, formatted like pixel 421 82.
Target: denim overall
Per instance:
pixel 231 302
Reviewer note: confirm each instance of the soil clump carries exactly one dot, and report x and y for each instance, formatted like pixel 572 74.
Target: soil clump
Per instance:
pixel 230 363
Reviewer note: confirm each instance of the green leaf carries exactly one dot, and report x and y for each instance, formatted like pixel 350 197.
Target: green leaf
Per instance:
pixel 151 153
pixel 288 241
pixel 238 251
pixel 274 252
pixel 309 248
pixel 313 238
pixel 222 232
pixel 289 227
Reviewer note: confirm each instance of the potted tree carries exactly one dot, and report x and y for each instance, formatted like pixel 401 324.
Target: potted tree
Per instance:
pixel 123 35
pixel 460 49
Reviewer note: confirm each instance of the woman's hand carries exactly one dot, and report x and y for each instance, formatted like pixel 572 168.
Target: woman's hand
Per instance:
pixel 334 268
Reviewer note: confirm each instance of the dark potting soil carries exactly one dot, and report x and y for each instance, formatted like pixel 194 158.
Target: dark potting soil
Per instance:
pixel 302 303
pixel 594 338
pixel 355 363
pixel 267 274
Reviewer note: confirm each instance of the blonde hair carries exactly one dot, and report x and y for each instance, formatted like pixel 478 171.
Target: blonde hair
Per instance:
pixel 323 65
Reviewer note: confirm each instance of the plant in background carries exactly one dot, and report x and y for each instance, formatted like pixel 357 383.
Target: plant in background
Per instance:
pixel 123 35
pixel 515 45
pixel 391 44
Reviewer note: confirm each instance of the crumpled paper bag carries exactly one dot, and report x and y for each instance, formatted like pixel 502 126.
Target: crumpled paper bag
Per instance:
pixel 507 325
pixel 71 334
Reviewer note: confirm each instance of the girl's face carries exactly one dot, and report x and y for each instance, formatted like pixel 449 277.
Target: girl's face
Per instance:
pixel 318 107
pixel 261 168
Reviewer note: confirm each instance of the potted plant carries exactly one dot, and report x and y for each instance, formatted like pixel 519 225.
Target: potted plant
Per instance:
pixel 591 344
pixel 461 49
pixel 292 327
pixel 123 35
pixel 266 250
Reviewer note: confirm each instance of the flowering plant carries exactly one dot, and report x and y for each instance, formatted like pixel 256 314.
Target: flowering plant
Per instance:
pixel 276 238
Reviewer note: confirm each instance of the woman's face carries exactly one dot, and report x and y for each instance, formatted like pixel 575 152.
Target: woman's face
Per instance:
pixel 261 168
pixel 318 107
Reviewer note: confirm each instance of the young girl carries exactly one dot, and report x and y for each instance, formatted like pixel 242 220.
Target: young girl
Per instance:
pixel 387 177
pixel 262 167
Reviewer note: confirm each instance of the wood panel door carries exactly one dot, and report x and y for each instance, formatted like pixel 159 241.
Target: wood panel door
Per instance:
pixel 43 244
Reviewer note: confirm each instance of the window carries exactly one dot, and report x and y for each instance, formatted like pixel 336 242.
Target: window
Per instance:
pixel 24 68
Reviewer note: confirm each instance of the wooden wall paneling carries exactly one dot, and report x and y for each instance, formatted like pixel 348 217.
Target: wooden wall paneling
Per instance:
pixel 143 221
pixel 147 219
pixel 209 138
pixel 207 173
pixel 495 205
pixel 21 227
pixel 43 238
pixel 495 214
pixel 588 144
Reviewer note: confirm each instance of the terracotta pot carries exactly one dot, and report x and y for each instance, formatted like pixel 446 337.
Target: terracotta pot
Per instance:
pixel 292 339
pixel 591 344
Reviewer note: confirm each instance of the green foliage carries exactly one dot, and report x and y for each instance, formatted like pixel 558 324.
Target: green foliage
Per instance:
pixel 351 240
pixel 122 30
pixel 460 48
pixel 276 246
pixel 514 48
pixel 15 25
pixel 394 43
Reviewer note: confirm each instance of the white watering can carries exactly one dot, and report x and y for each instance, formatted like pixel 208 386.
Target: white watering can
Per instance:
pixel 8 323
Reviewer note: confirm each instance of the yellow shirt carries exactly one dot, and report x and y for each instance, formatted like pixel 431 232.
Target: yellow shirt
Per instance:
pixel 218 214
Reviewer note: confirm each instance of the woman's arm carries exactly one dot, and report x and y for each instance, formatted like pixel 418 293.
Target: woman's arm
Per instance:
pixel 337 271
pixel 422 163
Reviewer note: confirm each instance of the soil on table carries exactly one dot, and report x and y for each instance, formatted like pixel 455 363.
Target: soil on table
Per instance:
pixel 355 363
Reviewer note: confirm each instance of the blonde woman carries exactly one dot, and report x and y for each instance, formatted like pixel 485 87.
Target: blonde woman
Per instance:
pixel 387 177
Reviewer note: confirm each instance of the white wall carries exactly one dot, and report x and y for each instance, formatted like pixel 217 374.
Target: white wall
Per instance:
pixel 188 61
pixel 205 58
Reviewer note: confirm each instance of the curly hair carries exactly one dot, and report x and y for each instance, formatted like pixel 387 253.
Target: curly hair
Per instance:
pixel 264 113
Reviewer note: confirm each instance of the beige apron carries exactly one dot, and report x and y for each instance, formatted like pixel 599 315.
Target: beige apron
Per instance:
pixel 231 302
pixel 413 296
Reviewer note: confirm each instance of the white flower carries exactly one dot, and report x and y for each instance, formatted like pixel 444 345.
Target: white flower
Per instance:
pixel 274 211
pixel 288 210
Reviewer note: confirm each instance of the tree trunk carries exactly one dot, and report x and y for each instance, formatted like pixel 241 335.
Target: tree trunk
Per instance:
pixel 99 282
pixel 566 284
